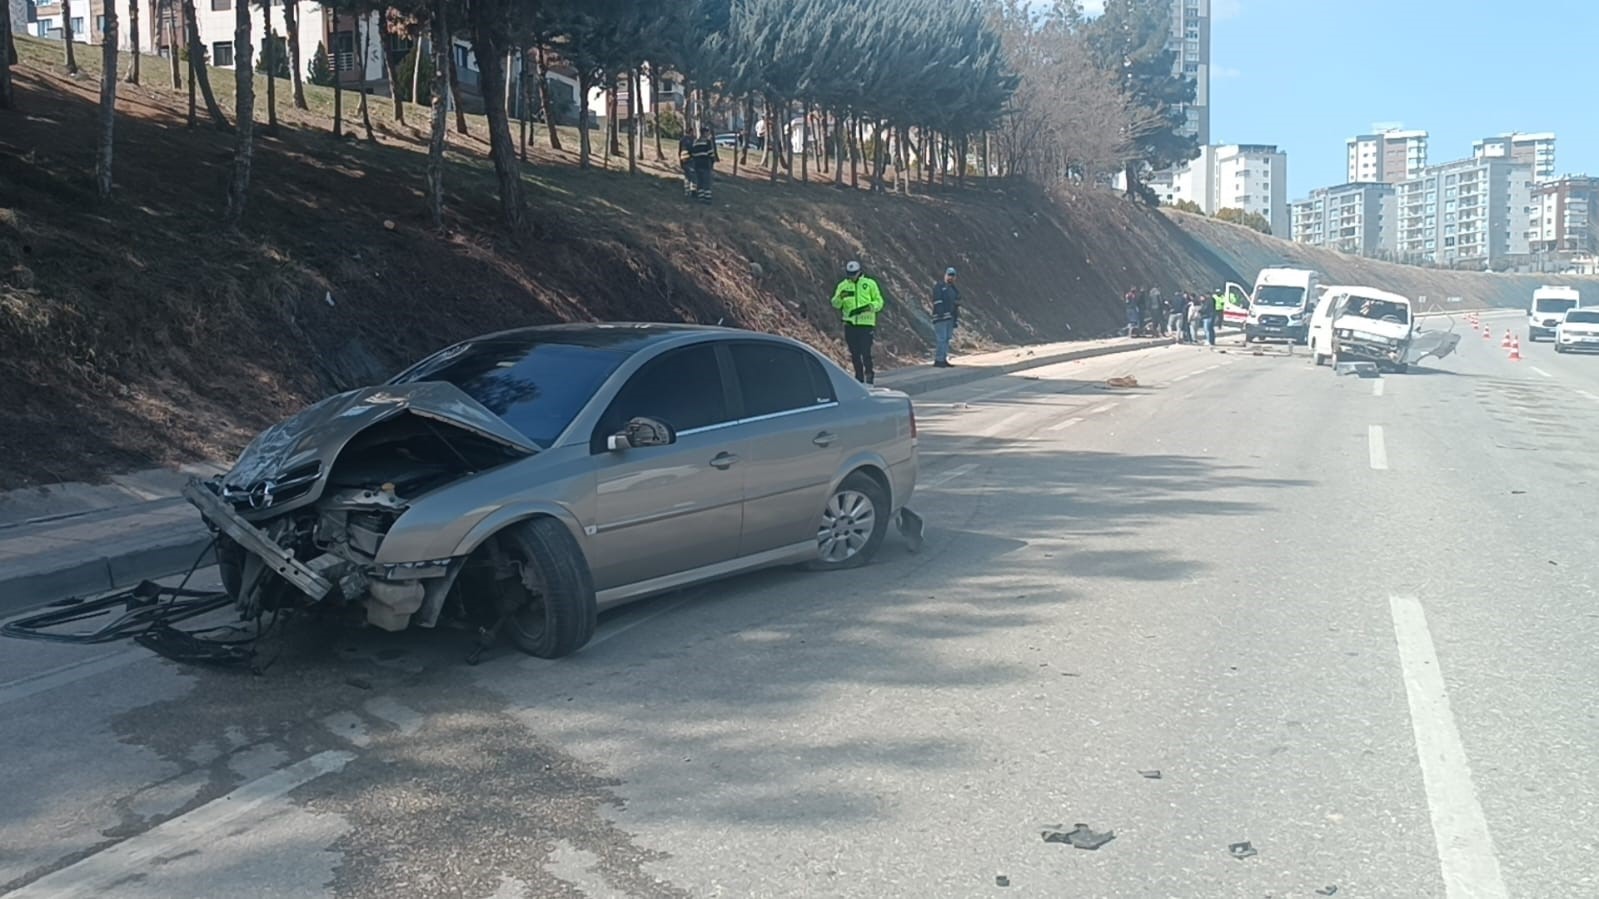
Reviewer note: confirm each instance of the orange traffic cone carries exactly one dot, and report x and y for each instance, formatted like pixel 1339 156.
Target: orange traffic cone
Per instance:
pixel 1515 351
pixel 1487 333
pixel 1505 344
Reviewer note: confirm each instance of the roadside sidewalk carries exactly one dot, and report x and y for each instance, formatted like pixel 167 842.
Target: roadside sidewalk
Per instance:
pixel 79 540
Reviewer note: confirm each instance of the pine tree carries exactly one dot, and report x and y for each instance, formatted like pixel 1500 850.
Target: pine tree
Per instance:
pixel 321 70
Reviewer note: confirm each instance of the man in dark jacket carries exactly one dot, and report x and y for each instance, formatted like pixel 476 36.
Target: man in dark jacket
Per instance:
pixel 704 157
pixel 946 316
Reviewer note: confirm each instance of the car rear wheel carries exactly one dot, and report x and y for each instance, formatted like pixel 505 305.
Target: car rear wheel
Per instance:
pixel 546 589
pixel 853 524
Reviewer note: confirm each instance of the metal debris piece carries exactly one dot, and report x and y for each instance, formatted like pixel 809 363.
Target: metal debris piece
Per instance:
pixel 1123 381
pixel 1328 890
pixel 1080 836
pixel 1242 850
pixel 1001 880
pixel 1151 773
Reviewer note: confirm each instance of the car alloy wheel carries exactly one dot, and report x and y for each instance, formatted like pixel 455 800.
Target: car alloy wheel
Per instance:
pixel 847 526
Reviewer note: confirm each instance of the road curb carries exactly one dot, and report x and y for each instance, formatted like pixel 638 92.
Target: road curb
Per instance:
pixel 954 377
pixel 65 574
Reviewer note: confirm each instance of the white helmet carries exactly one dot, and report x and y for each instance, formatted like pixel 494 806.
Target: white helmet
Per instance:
pixel 852 267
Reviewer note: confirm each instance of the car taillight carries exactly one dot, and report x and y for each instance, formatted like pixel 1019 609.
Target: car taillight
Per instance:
pixel 912 408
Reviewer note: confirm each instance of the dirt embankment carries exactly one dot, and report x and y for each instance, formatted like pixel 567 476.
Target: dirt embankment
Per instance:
pixel 136 332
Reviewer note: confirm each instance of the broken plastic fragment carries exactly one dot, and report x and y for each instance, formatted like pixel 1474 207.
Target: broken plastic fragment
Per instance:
pixel 1080 836
pixel 1242 850
pixel 1152 773
pixel 1328 890
pixel 1001 880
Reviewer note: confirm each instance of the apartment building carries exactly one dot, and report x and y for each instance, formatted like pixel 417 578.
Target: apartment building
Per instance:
pixel 1251 177
pixel 1470 214
pixel 1350 218
pixel 1537 150
pixel 1387 156
pixel 1565 216
pixel 1190 41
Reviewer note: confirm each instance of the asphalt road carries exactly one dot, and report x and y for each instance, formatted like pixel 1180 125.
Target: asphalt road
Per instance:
pixel 1349 621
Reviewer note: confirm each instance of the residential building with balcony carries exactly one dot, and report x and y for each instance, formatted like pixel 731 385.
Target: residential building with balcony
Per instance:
pixel 1470 214
pixel 1251 177
pixel 1190 41
pixel 1537 150
pixel 1565 216
pixel 1387 156
pixel 1351 218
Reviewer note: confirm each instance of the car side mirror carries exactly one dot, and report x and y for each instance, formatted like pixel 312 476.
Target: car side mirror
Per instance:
pixel 640 433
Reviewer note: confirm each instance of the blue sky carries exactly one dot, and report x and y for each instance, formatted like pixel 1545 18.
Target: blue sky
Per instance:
pixel 1307 74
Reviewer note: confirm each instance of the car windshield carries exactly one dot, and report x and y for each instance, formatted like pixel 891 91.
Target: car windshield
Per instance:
pixel 1279 295
pixel 537 387
pixel 1553 306
pixel 1584 317
pixel 1369 307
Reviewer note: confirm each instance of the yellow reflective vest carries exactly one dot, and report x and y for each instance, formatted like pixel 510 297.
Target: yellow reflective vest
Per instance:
pixel 859 300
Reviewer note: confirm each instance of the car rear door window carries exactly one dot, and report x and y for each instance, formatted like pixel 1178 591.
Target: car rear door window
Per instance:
pixel 683 388
pixel 774 378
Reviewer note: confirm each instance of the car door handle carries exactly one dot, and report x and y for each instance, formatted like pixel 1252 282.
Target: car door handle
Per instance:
pixel 724 461
pixel 824 439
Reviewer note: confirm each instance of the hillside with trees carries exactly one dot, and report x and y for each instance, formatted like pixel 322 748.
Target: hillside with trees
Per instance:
pixel 173 277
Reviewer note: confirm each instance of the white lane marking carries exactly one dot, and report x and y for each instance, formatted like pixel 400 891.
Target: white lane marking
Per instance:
pixel 1004 424
pixel 35 684
pixel 1465 846
pixel 1376 387
pixel 601 638
pixel 99 874
pixel 1184 377
pixel 1377 447
pixel 1105 408
pixel 1540 371
pixel 959 471
pixel 1590 395
pixel 1065 424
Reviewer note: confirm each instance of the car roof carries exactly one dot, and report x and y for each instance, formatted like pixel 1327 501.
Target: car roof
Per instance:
pixel 627 337
pixel 1370 293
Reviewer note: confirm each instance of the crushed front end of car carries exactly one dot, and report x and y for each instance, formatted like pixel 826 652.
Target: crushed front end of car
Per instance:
pixel 302 515
pixel 1360 340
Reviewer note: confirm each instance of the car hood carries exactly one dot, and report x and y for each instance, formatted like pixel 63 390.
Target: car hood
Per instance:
pixel 1431 343
pixel 304 445
pixel 1390 330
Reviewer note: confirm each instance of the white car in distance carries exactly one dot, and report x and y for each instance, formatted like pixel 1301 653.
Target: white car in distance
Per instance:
pixel 1578 330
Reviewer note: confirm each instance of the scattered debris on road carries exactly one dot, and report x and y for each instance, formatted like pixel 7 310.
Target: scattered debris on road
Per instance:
pixel 1328 890
pixel 1001 880
pixel 1121 382
pixel 1242 850
pixel 1150 773
pixel 1080 836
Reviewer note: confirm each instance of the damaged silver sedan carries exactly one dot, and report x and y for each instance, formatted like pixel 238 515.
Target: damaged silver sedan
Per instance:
pixel 524 481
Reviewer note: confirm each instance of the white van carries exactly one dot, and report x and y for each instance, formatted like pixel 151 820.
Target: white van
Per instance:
pixel 1549 305
pixel 1281 305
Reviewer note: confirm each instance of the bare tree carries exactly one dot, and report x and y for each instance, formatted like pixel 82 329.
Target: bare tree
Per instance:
pixel 544 98
pixel 269 59
pixel 133 40
pixel 168 16
pixel 291 27
pixel 441 98
pixel 244 83
pixel 108 101
pixel 363 24
pixel 8 58
pixel 197 67
pixel 66 33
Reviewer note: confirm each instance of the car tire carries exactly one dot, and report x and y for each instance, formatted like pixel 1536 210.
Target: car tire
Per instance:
pixel 1401 367
pixel 1559 348
pixel 856 513
pixel 563 620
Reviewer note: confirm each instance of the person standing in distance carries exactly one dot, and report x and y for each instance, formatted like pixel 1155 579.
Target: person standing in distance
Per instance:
pixel 946 316
pixel 858 299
